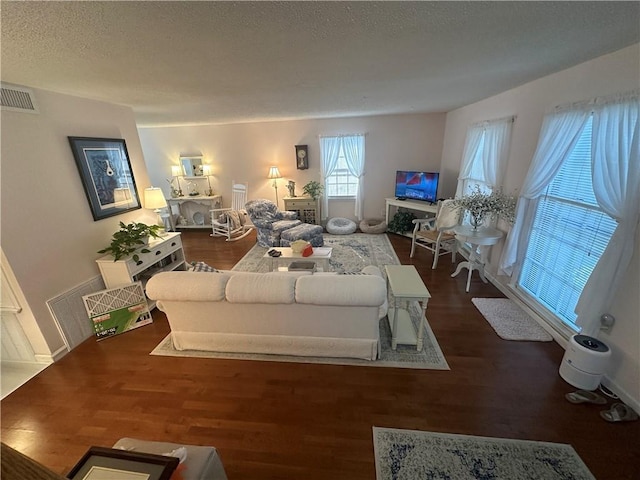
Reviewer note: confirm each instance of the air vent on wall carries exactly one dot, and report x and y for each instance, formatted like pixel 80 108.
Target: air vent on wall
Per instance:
pixel 18 99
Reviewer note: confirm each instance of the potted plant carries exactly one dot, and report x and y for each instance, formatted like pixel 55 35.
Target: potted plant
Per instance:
pixel 482 205
pixel 313 189
pixel 130 238
pixel 401 222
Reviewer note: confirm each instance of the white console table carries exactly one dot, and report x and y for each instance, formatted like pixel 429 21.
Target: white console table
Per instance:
pixel 192 212
pixel 425 207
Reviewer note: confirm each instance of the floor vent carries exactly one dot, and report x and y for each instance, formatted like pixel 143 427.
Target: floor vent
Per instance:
pixel 17 99
pixel 70 315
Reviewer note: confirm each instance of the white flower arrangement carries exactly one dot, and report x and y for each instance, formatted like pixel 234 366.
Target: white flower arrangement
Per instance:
pixel 483 205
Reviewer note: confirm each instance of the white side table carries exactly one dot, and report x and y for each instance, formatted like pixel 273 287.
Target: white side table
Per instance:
pixel 479 239
pixel 405 284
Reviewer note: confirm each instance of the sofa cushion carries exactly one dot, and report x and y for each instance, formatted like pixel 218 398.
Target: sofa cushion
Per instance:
pixel 261 288
pixel 360 290
pixel 187 286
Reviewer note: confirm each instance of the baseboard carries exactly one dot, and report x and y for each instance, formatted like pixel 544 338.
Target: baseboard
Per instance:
pixel 54 357
pixel 622 394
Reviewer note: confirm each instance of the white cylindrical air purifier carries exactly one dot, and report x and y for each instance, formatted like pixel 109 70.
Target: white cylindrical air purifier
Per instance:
pixel 585 362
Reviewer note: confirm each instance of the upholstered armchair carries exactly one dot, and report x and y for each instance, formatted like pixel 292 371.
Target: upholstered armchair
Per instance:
pixel 269 221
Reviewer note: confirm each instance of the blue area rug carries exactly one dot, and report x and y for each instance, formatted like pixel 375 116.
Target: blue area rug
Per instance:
pixel 412 455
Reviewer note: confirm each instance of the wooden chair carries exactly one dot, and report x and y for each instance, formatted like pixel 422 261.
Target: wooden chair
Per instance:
pixel 435 233
pixel 232 222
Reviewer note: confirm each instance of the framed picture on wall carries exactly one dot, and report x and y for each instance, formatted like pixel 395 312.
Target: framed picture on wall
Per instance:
pixel 107 178
pixel 302 157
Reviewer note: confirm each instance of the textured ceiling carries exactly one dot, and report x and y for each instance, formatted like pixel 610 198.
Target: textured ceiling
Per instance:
pixel 228 62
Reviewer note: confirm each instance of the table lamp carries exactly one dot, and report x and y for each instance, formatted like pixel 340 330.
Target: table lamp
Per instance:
pixel 154 200
pixel 274 174
pixel 206 171
pixel 176 172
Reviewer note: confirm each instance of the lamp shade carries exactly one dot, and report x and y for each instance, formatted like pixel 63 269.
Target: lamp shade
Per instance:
pixel 154 198
pixel 176 170
pixel 206 170
pixel 274 173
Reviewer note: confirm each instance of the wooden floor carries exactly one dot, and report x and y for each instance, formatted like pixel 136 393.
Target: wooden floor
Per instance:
pixel 300 421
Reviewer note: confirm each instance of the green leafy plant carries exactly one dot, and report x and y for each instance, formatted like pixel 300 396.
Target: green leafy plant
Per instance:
pixel 401 222
pixel 130 238
pixel 313 189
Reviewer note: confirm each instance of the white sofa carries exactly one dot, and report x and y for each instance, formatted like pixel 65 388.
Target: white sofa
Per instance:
pixel 284 313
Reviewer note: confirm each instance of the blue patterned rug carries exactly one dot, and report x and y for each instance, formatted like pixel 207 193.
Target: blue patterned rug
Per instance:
pixel 412 454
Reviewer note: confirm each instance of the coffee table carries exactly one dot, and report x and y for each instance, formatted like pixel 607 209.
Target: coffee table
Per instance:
pixel 405 284
pixel 321 255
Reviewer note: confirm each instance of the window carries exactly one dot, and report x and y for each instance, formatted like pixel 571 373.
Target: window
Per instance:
pixel 476 174
pixel 568 235
pixel 342 170
pixel 485 156
pixel 340 183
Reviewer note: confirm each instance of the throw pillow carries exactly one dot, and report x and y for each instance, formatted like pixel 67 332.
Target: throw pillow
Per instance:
pixel 202 267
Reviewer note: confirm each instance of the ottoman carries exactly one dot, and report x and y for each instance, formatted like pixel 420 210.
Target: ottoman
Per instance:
pixel 202 463
pixel 306 231
pixel 341 226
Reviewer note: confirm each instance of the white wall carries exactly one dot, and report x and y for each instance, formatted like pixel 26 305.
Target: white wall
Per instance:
pixel 48 234
pixel 244 152
pixel 610 74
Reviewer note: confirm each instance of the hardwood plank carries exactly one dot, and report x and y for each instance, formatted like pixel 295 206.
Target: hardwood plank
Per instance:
pixel 275 420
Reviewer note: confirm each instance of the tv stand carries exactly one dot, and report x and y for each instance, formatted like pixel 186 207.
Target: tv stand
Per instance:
pixel 425 207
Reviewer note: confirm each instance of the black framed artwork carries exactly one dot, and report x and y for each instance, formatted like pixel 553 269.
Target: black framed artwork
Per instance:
pixel 101 463
pixel 107 178
pixel 302 157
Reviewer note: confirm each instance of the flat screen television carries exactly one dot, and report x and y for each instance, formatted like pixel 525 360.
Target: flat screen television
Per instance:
pixel 412 185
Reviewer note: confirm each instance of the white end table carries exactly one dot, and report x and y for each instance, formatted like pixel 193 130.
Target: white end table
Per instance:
pixel 321 255
pixel 479 239
pixel 405 284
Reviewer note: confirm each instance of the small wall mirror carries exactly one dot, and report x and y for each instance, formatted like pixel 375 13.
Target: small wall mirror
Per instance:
pixel 192 166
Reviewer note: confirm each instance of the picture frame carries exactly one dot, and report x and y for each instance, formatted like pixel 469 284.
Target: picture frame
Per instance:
pixel 106 174
pixel 192 166
pixel 302 157
pixel 100 463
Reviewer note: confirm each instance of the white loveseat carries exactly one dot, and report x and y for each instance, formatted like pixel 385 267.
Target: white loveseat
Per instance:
pixel 283 313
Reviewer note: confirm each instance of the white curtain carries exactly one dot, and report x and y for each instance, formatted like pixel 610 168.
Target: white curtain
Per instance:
pixel 494 155
pixel 353 147
pixel 558 137
pixel 329 151
pixel 615 157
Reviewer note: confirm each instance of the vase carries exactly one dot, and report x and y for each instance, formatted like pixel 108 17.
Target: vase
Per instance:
pixel 476 221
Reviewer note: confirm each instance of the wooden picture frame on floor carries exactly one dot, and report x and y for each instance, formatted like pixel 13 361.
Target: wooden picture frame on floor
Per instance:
pixel 115 464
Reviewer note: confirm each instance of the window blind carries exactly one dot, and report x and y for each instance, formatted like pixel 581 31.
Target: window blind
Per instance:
pixel 568 236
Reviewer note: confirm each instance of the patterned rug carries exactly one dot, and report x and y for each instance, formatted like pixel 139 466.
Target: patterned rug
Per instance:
pixel 412 454
pixel 509 321
pixel 350 253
